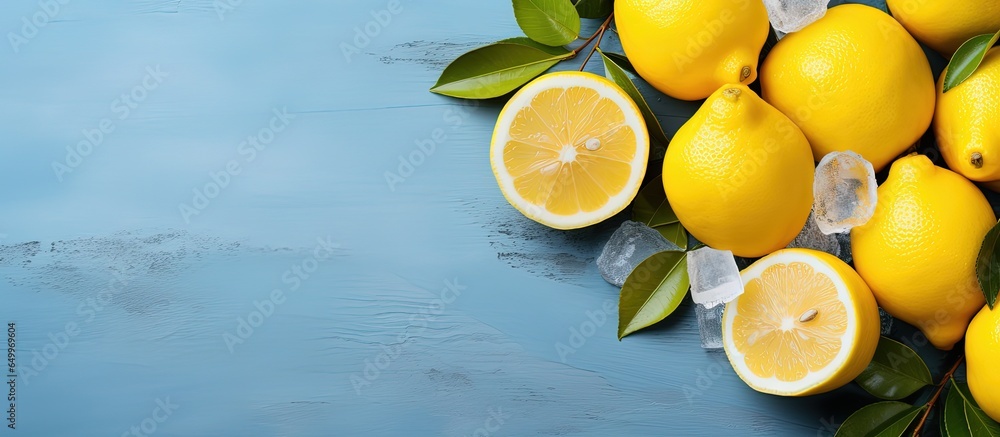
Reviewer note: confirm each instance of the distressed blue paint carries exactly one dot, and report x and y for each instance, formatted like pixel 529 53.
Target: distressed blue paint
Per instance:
pixel 182 285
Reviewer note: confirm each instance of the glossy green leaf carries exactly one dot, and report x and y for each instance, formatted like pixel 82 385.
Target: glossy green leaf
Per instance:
pixel 664 215
pixel 988 265
pixel 652 291
pixel 979 424
pixel 941 420
pixel 895 372
pixel 901 424
pixel 617 75
pixel 495 70
pixel 651 207
pixel 966 60
pixel 525 41
pixel 550 22
pixel 594 8
pixel 674 233
pixel 621 61
pixel 881 419
pixel 953 421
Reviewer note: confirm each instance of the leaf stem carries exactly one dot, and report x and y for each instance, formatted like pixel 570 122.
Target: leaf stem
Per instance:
pixel 598 34
pixel 937 394
pixel 593 49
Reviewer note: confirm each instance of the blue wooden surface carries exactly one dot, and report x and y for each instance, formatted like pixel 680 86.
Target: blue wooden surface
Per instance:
pixel 368 343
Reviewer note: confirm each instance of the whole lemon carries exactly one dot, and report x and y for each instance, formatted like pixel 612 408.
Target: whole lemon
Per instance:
pixel 689 48
pixel 982 352
pixel 853 80
pixel 945 24
pixel 918 252
pixel 967 122
pixel 739 174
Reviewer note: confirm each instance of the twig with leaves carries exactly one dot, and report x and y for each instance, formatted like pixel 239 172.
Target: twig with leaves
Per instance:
pixel 500 68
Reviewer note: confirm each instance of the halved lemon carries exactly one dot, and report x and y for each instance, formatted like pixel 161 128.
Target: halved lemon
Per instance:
pixel 806 324
pixel 569 150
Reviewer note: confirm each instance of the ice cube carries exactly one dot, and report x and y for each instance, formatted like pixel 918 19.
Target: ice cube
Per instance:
pixel 844 192
pixel 792 15
pixel 886 321
pixel 710 325
pixel 714 277
pixel 630 245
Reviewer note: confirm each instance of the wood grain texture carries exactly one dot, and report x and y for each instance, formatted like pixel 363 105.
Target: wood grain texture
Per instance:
pixel 368 341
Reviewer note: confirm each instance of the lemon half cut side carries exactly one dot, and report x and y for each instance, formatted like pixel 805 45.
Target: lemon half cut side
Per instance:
pixel 806 324
pixel 570 150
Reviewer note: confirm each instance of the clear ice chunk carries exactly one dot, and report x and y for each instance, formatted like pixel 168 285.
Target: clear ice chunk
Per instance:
pixel 710 325
pixel 630 245
pixel 715 279
pixel 792 15
pixel 844 192
pixel 714 276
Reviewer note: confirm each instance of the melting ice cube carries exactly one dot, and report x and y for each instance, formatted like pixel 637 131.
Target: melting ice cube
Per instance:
pixel 844 192
pixel 714 277
pixel 710 325
pixel 630 245
pixel 792 15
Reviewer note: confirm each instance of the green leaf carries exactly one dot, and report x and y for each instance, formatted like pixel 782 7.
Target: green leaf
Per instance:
pixel 895 372
pixel 617 75
pixel 652 291
pixel 966 60
pixel 550 22
pixel 979 423
pixel 988 265
pixel 942 420
pixel 594 8
pixel 495 70
pixel 674 233
pixel 881 419
pixel 622 61
pixel 525 41
pixel 651 207
pixel 953 421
